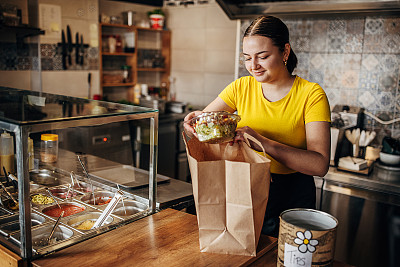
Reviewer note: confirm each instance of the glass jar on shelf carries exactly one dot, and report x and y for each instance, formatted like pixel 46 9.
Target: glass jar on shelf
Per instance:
pixel 126 73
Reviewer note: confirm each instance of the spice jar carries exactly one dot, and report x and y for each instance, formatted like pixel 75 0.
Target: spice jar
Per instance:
pixel 49 148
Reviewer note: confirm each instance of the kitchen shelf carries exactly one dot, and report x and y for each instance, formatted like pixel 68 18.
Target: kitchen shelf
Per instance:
pixel 117 84
pixel 118 54
pixel 152 69
pixel 145 39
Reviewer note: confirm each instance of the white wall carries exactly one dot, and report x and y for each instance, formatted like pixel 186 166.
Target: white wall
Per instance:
pixel 203 51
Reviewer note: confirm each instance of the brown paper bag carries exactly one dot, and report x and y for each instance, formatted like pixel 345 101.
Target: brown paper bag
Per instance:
pixel 230 188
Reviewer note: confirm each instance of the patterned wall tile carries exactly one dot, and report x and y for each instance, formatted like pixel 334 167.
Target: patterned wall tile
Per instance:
pixel 336 43
pixel 319 44
pixel 355 26
pixel 320 27
pixel 317 75
pixel 392 25
pixel 367 99
pixel 388 82
pixel 303 60
pixel 350 79
pixel 301 43
pixel 390 43
pixel 24 63
pixel 369 81
pixel 332 78
pixel 334 61
pixel 373 43
pixel 348 97
pixel 47 63
pixel 389 62
pixel 318 60
pixel 352 61
pixel 353 43
pixel 369 62
pixel 386 101
pixel 374 26
pixel 337 26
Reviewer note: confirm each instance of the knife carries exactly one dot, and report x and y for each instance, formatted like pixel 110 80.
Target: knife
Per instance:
pixel 77 49
pixel 64 50
pixel 82 50
pixel 69 39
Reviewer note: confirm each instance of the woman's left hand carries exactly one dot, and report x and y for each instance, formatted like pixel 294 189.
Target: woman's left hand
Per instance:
pixel 240 137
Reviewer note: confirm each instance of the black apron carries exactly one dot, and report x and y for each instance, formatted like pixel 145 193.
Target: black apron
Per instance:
pixel 287 191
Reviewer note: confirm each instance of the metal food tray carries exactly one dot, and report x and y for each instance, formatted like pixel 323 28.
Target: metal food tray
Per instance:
pixel 127 176
pixel 42 223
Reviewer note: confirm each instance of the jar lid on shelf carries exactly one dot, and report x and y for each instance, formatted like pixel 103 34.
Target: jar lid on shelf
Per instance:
pixel 49 137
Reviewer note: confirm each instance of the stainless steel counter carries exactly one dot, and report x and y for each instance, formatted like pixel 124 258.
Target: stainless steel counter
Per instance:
pixel 169 194
pixel 368 211
pixel 374 181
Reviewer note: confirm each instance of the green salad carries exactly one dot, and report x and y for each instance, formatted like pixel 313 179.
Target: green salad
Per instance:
pixel 216 128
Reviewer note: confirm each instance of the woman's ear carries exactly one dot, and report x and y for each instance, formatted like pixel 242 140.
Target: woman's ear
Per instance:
pixel 286 52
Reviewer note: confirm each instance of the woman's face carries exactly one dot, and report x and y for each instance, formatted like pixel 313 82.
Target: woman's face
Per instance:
pixel 263 60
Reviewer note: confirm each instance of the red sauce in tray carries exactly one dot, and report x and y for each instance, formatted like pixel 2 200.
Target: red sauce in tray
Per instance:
pixel 69 209
pixel 100 200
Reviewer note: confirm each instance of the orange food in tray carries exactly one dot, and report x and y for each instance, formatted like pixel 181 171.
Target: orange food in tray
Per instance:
pixel 69 209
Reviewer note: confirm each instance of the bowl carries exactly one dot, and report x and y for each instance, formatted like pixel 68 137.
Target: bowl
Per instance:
pixel 215 127
pixel 389 159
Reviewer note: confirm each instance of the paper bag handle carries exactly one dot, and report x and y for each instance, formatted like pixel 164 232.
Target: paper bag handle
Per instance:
pixel 248 137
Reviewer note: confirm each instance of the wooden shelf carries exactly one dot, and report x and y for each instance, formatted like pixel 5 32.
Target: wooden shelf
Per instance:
pixel 118 54
pixel 152 69
pixel 117 84
pixel 152 39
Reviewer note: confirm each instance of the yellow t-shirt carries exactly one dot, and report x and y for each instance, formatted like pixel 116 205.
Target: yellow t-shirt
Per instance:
pixel 283 120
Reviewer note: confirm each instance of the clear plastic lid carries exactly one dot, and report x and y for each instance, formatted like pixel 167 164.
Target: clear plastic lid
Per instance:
pixel 215 127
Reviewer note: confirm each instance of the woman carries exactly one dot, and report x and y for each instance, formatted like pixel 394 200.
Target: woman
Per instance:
pixel 287 114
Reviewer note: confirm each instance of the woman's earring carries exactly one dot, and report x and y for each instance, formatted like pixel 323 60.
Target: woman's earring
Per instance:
pixel 285 62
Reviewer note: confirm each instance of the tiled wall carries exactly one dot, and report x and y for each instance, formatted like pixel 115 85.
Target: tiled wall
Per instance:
pixel 203 51
pixel 355 60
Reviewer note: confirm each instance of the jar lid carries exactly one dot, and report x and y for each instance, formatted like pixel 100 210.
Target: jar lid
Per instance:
pixel 49 137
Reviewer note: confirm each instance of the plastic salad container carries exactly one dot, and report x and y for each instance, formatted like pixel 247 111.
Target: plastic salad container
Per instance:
pixel 215 127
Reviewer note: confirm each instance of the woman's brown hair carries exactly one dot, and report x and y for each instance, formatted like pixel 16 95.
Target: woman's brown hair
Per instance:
pixel 277 31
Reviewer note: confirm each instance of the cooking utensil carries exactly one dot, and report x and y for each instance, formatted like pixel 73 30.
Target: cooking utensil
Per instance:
pixel 64 50
pixel 9 194
pixel 89 84
pixel 87 175
pixel 354 138
pixel 369 137
pixel 362 139
pixel 14 181
pixel 82 51
pixel 70 46
pixel 51 195
pixel 54 227
pixel 109 209
pixel 77 57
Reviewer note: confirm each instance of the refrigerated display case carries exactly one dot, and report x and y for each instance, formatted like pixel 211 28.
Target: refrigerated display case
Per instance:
pixel 85 186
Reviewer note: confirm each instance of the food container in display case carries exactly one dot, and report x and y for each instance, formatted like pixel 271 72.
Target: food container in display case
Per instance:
pixel 215 127
pixel 67 183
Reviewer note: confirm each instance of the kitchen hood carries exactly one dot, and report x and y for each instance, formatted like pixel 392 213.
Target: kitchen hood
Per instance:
pixel 249 9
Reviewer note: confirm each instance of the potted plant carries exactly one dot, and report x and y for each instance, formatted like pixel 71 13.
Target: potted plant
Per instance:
pixel 156 18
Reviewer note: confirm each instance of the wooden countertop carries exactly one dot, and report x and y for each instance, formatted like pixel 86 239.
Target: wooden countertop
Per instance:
pixel 167 238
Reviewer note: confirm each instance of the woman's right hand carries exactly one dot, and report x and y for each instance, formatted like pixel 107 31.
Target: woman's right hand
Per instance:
pixel 188 128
